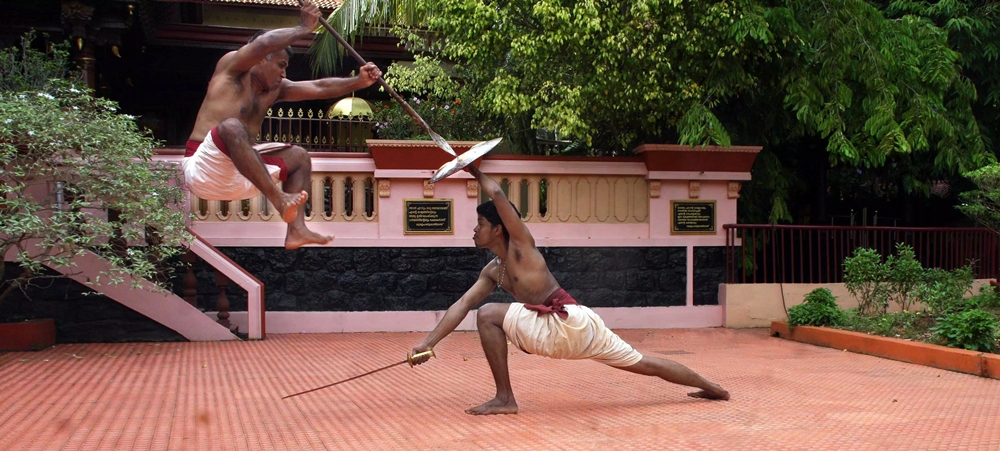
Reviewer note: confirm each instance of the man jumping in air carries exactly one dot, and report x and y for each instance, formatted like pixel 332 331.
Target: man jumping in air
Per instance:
pixel 546 320
pixel 221 162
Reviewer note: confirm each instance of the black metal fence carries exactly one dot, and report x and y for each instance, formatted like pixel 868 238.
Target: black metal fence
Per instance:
pixel 764 253
pixel 315 132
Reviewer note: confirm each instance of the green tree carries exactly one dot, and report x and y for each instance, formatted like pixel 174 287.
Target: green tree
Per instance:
pixel 349 20
pixel 983 204
pixel 857 84
pixel 906 90
pixel 436 96
pixel 77 177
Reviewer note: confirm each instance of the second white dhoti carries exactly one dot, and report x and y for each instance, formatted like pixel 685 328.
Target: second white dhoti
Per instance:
pixel 210 174
pixel 582 335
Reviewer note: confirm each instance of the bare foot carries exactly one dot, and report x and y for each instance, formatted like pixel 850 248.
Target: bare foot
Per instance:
pixel 289 206
pixel 715 393
pixel 494 407
pixel 301 236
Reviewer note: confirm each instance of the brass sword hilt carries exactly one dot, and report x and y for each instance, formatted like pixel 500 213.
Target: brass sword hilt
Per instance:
pixel 409 357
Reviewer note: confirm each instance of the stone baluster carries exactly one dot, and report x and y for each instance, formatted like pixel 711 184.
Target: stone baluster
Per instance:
pixel 260 206
pixel 533 192
pixel 226 208
pixel 190 282
pixel 549 197
pixel 199 207
pixel 514 191
pixel 339 199
pixel 222 306
pixel 359 197
pixel 316 198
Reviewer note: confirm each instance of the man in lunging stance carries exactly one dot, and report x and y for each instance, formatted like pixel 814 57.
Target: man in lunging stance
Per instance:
pixel 546 320
pixel 221 162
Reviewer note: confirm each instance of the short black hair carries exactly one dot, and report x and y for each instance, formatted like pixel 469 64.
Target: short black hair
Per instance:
pixel 488 210
pixel 259 33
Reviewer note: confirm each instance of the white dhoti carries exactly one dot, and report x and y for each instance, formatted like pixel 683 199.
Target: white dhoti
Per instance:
pixel 210 174
pixel 582 335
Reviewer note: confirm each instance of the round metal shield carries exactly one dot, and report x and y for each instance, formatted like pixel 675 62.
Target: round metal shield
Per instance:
pixel 460 162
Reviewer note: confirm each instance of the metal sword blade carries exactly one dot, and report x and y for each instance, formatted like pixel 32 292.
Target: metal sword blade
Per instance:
pixel 346 380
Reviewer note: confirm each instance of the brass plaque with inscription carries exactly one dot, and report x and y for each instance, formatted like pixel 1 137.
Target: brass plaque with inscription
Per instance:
pixel 428 216
pixel 692 217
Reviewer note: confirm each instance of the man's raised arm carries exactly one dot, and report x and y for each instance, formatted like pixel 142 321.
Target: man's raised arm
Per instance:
pixel 272 41
pixel 511 220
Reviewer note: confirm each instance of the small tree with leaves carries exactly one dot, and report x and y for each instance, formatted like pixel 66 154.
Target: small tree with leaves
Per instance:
pixel 76 176
pixel 983 204
pixel 867 279
pixel 905 275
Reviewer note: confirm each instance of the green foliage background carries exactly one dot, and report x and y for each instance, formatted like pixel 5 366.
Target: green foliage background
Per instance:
pixel 905 88
pixel 54 134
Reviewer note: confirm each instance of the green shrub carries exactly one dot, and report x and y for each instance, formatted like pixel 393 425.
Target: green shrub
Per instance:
pixel 975 330
pixel 93 160
pixel 854 320
pixel 987 299
pixel 867 279
pixel 907 324
pixel 905 273
pixel 819 309
pixel 943 292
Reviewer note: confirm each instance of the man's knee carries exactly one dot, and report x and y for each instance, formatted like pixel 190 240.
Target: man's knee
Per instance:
pixel 231 128
pixel 296 158
pixel 492 314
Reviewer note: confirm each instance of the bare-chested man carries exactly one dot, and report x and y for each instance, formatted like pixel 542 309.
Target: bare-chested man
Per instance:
pixel 221 162
pixel 545 320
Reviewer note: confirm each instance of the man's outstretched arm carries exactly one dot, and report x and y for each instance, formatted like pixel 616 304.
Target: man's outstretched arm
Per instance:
pixel 326 88
pixel 511 220
pixel 272 41
pixel 457 312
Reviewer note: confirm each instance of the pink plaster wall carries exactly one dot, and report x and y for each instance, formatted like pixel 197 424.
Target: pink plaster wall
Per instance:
pixel 387 230
pixel 424 321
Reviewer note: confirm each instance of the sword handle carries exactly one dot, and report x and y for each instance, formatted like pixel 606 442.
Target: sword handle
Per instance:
pixel 409 358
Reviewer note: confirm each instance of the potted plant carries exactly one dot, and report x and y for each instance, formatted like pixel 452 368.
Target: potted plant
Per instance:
pixel 76 177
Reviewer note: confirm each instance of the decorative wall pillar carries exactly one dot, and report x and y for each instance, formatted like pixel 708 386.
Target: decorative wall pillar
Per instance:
pixel 654 189
pixel 694 190
pixel 77 18
pixel 222 305
pixel 87 63
pixel 734 190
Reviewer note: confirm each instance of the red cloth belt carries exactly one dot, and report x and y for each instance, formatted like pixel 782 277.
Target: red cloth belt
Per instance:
pixel 554 304
pixel 192 146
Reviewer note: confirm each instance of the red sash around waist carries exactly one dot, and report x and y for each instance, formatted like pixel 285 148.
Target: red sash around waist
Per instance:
pixel 553 304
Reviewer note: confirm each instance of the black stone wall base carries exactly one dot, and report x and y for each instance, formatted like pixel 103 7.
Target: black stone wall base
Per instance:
pixel 709 272
pixel 400 279
pixel 81 315
pixel 377 279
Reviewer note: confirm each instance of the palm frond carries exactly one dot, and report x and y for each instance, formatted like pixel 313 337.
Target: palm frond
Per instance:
pixel 349 19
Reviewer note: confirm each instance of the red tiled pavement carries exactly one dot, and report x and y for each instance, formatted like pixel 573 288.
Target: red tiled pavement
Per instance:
pixel 227 396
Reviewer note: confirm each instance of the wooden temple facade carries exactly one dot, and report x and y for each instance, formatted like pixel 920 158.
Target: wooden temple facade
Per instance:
pixel 155 57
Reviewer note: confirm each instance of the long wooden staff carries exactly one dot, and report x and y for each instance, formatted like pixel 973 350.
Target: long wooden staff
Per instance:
pixel 427 128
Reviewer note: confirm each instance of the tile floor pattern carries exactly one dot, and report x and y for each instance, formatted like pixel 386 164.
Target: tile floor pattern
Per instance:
pixel 227 396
